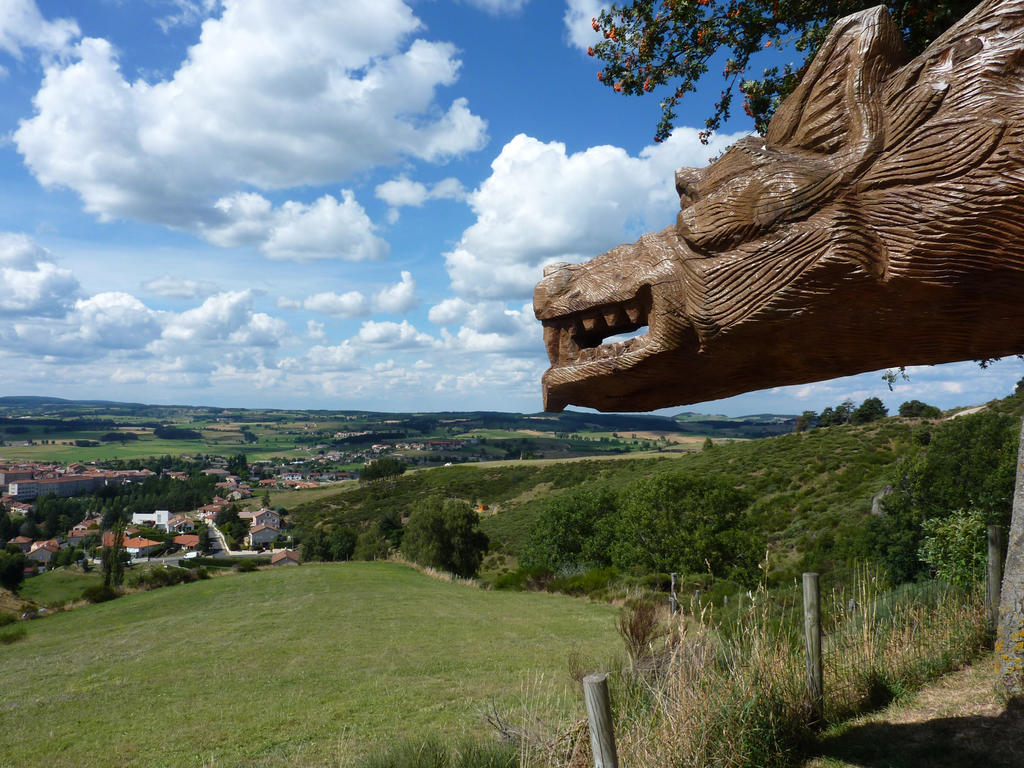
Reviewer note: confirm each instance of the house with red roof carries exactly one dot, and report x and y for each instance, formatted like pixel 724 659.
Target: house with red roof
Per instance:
pixel 140 547
pixel 284 557
pixel 187 540
pixel 43 551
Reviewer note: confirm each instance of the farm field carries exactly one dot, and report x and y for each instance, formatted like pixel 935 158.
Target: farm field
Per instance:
pixel 307 666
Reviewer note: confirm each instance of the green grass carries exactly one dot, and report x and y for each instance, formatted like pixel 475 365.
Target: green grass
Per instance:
pixel 289 498
pixel 308 666
pixel 63 585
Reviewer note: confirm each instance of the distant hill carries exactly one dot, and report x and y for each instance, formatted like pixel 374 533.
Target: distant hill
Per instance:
pixel 759 425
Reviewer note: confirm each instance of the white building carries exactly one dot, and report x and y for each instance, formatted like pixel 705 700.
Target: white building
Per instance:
pixel 157 519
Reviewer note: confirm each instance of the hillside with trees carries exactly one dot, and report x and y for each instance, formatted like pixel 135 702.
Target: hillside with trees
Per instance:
pixel 822 499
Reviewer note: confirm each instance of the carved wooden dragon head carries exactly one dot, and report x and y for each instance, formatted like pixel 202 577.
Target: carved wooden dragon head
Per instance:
pixel 879 222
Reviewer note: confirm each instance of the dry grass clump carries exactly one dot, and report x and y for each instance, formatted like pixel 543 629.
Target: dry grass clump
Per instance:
pixel 733 694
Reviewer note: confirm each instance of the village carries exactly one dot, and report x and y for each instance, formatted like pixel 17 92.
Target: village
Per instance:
pixel 158 534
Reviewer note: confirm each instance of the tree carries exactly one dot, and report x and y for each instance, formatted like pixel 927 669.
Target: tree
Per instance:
pixel 239 465
pixel 684 523
pixel 445 534
pixel 316 547
pixel 384 468
pixel 650 44
pixel 915 409
pixel 371 545
pixel 12 569
pixel 805 421
pixel 342 543
pixel 968 463
pixel 113 559
pixel 870 410
pixel 575 530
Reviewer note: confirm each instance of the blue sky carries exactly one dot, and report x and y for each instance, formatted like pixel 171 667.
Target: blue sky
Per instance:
pixel 327 204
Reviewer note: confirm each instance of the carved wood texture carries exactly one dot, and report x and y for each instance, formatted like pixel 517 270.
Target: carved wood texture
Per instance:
pixel 879 222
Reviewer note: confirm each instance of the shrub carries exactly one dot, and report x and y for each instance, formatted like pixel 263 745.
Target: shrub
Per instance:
pixel 590 582
pixel 954 546
pixel 433 753
pixel 155 578
pixel 639 626
pixel 534 577
pixel 12 635
pixel 99 594
pixel 247 566
pixel 7 618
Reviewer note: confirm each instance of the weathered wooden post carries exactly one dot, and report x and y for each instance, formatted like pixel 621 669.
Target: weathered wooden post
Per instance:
pixel 995 573
pixel 812 637
pixel 599 713
pixel 673 599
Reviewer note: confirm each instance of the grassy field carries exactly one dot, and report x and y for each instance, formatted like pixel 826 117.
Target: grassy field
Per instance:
pixel 290 497
pixel 59 586
pixel 305 666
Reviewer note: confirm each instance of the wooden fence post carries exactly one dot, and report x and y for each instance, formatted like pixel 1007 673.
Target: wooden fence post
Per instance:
pixel 995 573
pixel 599 713
pixel 812 636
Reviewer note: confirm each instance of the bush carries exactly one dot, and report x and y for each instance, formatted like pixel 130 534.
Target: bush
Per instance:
pixel 955 546
pixel 591 582
pixel 532 577
pixel 155 578
pixel 99 594
pixel 7 618
pixel 433 753
pixel 247 566
pixel 12 635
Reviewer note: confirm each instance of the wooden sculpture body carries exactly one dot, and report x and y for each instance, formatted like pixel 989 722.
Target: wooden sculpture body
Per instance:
pixel 879 222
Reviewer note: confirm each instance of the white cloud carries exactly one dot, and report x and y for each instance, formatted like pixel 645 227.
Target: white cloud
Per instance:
pixel 186 13
pixel 395 299
pixel 399 298
pixel 23 26
pixel 491 327
pixel 261 330
pixel 578 21
pixel 179 288
pixel 403 192
pixel 227 317
pixel 325 229
pixel 392 335
pixel 349 304
pixel 498 6
pixel 275 94
pixel 315 330
pixel 341 357
pixel 541 204
pixel 451 311
pixel 32 285
pixel 116 320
